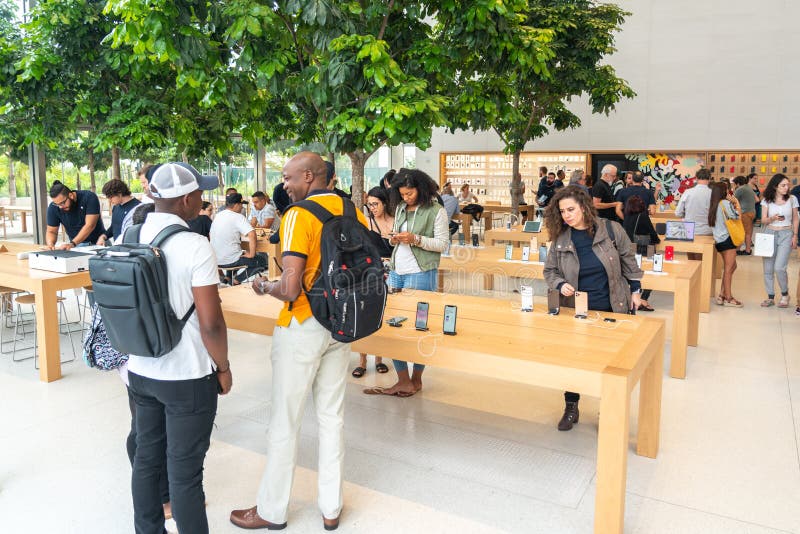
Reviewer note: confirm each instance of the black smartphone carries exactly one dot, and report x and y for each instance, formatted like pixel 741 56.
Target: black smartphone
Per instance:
pixel 449 326
pixel 474 240
pixel 553 302
pixel 461 238
pixel 421 322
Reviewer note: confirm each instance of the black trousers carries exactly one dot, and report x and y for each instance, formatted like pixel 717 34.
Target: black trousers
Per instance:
pixel 173 420
pixel 255 265
pixel 130 444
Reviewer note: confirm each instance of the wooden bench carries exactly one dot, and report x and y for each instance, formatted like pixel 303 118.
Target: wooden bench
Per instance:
pixel 496 340
pixel 682 279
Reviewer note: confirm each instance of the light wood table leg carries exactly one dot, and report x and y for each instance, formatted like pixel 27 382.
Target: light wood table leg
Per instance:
pixel 612 455
pixel 47 336
pixel 488 281
pixel 649 429
pixel 24 217
pixel 694 310
pixel 487 220
pixel 706 282
pixel 466 227
pixel 681 319
pixel 440 281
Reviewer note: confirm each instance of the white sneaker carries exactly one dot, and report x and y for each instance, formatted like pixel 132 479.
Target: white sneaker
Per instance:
pixel 784 302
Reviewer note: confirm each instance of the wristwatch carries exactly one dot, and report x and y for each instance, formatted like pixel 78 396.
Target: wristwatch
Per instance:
pixel 417 240
pixel 73 243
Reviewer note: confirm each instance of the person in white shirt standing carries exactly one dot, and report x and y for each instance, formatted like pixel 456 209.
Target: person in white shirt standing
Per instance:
pixel 694 206
pixel 176 395
pixel 226 239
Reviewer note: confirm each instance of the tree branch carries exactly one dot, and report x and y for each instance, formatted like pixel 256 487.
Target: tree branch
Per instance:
pixel 294 38
pixel 385 20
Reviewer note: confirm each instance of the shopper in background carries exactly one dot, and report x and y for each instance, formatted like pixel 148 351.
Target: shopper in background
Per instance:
pixel 421 235
pixel 584 257
pixel 723 206
pixel 603 195
pixel 637 225
pixel 119 196
pixel 747 201
pixel 636 188
pixel 466 196
pixel 381 223
pixel 752 180
pixel 202 223
pixel 578 178
pixel 779 215
pixel 547 189
pixel 450 203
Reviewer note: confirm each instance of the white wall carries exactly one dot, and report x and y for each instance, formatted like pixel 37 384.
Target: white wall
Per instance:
pixel 709 74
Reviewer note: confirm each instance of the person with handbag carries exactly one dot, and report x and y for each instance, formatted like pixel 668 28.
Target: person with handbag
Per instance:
pixel 779 216
pixel 723 214
pixel 592 255
pixel 639 227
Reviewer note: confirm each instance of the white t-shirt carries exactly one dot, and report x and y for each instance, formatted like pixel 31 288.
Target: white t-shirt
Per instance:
pixel 226 235
pixel 404 260
pixel 190 263
pixel 786 209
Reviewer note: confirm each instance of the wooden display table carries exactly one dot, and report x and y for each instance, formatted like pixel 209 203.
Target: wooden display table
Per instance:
pixel 682 279
pixel 275 262
pixel 23 213
pixel 488 211
pixel 516 236
pixel 661 216
pixel 45 285
pixel 496 340
pixel 702 244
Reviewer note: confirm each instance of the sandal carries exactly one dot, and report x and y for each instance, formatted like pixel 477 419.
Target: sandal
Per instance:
pixel 358 372
pixel 720 300
pixel 381 368
pixel 646 307
pixel 766 303
pixel 784 302
pixel 733 303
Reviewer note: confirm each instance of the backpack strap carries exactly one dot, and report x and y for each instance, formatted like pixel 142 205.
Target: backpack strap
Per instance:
pixel 132 234
pixel 159 240
pixel 316 210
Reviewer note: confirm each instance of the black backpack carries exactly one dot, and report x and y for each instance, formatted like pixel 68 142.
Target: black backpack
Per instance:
pixel 349 295
pixel 131 291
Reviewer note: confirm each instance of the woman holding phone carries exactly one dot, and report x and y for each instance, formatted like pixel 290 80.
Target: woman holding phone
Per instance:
pixel 420 235
pixel 592 255
pixel 779 215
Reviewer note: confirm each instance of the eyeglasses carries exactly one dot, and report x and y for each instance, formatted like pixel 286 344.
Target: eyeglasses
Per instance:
pixel 62 203
pixel 373 204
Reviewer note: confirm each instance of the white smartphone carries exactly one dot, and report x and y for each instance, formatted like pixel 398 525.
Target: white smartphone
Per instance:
pixel 581 304
pixel 449 326
pixel 509 251
pixel 534 243
pixel 526 253
pixel 639 260
pixel 526 294
pixel 658 263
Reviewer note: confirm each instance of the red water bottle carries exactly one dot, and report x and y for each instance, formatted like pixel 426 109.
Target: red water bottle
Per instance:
pixel 669 252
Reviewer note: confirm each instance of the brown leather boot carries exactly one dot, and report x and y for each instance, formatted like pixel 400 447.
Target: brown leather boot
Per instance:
pixel 570 417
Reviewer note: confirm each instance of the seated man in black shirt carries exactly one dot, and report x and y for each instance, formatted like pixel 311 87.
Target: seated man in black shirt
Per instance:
pixel 119 195
pixel 78 211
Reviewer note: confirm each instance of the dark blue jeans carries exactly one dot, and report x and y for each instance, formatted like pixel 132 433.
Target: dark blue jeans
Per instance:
pixel 173 428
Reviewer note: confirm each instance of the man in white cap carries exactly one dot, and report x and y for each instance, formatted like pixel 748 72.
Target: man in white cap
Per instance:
pixel 175 395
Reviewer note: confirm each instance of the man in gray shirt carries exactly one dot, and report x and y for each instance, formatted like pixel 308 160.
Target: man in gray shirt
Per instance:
pixel 747 201
pixel 694 203
pixel 450 206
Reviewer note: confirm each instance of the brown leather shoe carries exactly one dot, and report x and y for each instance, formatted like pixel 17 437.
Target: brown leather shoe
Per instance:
pixel 251 520
pixel 330 524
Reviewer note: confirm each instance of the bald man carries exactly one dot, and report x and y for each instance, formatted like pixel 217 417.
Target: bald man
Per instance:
pixel 602 194
pixel 304 357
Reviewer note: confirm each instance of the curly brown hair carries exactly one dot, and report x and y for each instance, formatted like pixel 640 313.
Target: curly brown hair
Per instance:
pixel 552 215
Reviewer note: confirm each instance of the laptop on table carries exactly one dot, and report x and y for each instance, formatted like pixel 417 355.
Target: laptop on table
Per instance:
pixel 679 231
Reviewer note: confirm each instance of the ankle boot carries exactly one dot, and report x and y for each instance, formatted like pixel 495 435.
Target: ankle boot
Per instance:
pixel 570 417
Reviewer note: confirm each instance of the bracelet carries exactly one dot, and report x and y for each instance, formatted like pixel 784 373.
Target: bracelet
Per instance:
pixel 73 243
pixel 221 371
pixel 417 240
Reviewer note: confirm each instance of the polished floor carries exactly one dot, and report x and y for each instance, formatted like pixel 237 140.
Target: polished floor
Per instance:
pixel 465 455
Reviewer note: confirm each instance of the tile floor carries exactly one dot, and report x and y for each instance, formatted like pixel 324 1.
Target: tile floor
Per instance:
pixel 466 455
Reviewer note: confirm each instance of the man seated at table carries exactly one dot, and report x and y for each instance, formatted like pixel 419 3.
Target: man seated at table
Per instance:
pixel 120 197
pixel 262 213
pixel 78 211
pixel 226 238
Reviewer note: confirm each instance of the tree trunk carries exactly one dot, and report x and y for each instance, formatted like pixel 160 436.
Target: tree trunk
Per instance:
pixel 184 157
pixel 358 161
pixel 12 182
pixel 92 182
pixel 77 177
pixel 516 184
pixel 115 163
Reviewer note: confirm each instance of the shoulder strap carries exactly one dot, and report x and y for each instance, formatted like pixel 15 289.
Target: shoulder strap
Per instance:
pixel 166 233
pixel 132 234
pixel 610 231
pixel 317 210
pixel 348 209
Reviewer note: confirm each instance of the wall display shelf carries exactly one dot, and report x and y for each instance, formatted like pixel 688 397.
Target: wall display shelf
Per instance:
pixel 489 173
pixel 766 164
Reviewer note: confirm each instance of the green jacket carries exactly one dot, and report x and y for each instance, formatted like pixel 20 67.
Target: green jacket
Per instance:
pixel 430 250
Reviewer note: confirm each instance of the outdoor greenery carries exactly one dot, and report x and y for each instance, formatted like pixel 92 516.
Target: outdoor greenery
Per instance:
pixel 114 84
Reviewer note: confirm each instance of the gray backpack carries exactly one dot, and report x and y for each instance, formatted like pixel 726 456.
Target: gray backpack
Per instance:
pixel 132 295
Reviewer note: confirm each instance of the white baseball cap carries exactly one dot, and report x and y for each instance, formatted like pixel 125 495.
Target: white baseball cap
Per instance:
pixel 173 180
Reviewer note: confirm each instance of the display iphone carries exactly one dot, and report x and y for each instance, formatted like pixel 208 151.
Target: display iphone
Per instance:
pixel 669 253
pixel 638 260
pixel 658 263
pixel 526 253
pixel 474 240
pixel 461 238
pixel 534 243
pixel 509 251
pixel 526 296
pixel 449 326
pixel 421 322
pixel 581 304
pixel 396 321
pixel 553 301
pixel 542 253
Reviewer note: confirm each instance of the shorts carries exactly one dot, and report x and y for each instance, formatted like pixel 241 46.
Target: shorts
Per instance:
pixel 725 245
